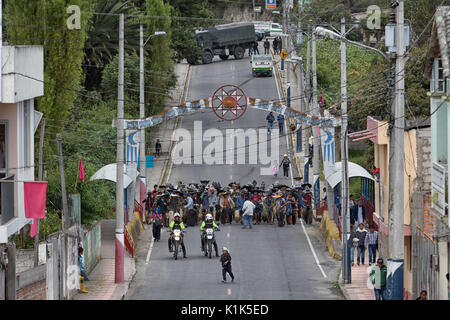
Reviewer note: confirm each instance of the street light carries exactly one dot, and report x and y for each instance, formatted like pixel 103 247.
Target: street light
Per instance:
pixel 142 98
pixel 320 31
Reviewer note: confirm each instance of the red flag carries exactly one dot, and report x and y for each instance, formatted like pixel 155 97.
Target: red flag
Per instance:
pixel 35 196
pixel 81 169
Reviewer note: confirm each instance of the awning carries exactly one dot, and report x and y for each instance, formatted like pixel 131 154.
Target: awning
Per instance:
pixel 109 172
pixel 354 170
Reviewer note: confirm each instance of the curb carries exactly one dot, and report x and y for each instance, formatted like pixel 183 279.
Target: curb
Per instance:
pixel 177 121
pixel 341 286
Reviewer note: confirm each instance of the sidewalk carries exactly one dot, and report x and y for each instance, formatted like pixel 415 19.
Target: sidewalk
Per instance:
pixel 358 289
pixel 101 284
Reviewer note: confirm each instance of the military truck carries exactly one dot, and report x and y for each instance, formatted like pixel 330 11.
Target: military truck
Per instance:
pixel 224 40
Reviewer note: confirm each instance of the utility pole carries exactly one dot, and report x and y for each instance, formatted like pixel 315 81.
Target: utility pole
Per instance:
pixel 396 216
pixel 254 13
pixel 142 107
pixel 40 169
pixel 64 218
pixel 307 106
pixel 344 161
pixel 315 111
pixel 283 39
pixel 65 207
pixel 119 236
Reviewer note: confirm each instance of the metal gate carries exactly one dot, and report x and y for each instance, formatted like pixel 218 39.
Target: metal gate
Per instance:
pixel 426 275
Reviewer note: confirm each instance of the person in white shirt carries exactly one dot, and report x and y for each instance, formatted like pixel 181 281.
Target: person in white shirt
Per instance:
pixel 247 208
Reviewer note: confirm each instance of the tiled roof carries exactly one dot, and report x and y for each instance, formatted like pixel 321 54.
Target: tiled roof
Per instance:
pixel 440 41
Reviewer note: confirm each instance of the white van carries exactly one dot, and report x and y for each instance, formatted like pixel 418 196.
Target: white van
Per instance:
pixel 269 28
pixel 262 64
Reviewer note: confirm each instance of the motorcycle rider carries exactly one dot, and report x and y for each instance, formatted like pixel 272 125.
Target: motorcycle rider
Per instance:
pixel 177 224
pixel 208 223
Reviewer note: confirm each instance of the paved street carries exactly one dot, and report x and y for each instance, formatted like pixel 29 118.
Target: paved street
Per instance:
pixel 269 262
pixel 204 80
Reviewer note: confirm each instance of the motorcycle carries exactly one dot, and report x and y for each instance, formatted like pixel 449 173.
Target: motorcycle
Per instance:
pixel 176 236
pixel 208 241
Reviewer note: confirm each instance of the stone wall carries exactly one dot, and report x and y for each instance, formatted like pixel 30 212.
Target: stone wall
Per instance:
pixel 32 284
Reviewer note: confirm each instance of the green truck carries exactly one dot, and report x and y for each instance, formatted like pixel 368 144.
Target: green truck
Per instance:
pixel 224 40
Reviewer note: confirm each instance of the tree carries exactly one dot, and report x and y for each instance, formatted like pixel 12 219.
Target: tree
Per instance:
pixel 45 23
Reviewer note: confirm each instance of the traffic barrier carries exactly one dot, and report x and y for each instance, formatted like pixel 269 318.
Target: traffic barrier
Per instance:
pixel 330 233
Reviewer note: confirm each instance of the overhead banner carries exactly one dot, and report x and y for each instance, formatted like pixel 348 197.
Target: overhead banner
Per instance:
pixel 328 150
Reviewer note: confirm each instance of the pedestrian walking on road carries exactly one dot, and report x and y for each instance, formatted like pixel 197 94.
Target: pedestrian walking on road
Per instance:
pixel 255 48
pixel 247 216
pixel 280 119
pixel 270 119
pixel 378 275
pixel 371 242
pixel 267 47
pixel 361 235
pixel 158 147
pixel 285 162
pixel 225 259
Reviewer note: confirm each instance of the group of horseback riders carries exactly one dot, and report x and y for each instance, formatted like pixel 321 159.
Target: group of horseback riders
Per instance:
pixel 194 201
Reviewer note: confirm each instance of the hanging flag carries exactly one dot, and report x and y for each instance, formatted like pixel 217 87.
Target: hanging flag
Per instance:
pixel 35 197
pixel 81 169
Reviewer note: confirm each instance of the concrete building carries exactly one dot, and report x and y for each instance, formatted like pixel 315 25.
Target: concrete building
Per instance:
pixel 21 82
pixel 438 71
pixel 417 186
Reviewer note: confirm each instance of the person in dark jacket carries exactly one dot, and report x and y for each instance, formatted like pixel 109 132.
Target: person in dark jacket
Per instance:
pixel 275 45
pixel 361 233
pixel 158 147
pixel 255 48
pixel 267 47
pixel 285 162
pixel 225 259
pixel 358 214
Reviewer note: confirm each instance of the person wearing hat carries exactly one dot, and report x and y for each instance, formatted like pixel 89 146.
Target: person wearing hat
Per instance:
pixel 225 259
pixel 239 204
pixel 226 206
pixel 281 206
pixel 307 203
pixel 177 224
pixel 285 162
pixel 163 205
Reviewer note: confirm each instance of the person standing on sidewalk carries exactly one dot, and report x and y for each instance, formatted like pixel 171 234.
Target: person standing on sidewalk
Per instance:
pixel 353 244
pixel 280 119
pixel 225 258
pixel 371 242
pixel 275 45
pixel 255 48
pixel 378 275
pixel 83 274
pixel 158 147
pixel 285 162
pixel 247 208
pixel 361 235
pixel 270 119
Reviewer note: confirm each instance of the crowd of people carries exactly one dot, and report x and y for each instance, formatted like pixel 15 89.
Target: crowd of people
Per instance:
pixel 247 204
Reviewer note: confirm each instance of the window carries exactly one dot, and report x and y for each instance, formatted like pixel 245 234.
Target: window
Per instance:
pixel 437 77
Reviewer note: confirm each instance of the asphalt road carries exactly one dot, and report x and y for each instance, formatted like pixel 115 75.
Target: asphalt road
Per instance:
pixel 203 81
pixel 269 262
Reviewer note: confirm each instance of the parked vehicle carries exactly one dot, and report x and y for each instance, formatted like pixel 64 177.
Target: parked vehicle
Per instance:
pixel 262 65
pixel 224 40
pixel 269 28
